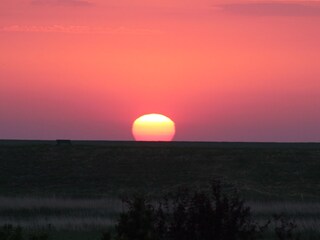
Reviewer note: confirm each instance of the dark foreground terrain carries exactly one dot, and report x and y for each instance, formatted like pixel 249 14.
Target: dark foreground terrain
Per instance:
pixel 99 169
pixel 75 188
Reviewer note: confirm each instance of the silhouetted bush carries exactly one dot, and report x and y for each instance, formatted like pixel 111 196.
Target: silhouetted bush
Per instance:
pixel 106 236
pixel 139 223
pixel 215 214
pixel 284 229
pixel 200 215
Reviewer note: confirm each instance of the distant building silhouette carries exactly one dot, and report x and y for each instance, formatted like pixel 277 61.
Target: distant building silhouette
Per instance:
pixel 63 142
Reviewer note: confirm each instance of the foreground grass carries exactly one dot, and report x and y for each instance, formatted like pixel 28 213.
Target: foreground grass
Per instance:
pixel 60 214
pixel 88 218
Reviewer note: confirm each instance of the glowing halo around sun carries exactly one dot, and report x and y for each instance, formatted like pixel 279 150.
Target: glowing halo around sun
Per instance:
pixel 153 127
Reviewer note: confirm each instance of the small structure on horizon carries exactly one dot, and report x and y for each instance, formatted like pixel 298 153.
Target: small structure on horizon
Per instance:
pixel 63 142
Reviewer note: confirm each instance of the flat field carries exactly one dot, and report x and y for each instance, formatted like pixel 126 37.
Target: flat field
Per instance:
pixel 76 187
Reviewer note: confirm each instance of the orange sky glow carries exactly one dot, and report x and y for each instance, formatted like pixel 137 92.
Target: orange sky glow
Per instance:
pixel 221 70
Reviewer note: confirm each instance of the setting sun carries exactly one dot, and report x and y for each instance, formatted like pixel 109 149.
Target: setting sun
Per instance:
pixel 153 127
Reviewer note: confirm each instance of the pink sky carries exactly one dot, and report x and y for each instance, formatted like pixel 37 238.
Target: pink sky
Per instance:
pixel 222 70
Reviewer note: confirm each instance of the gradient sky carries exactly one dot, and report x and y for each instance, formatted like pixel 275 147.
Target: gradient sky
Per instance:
pixel 222 70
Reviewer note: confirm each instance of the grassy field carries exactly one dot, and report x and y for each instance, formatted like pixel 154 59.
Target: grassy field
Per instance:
pixel 260 171
pixel 72 189
pixel 88 218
